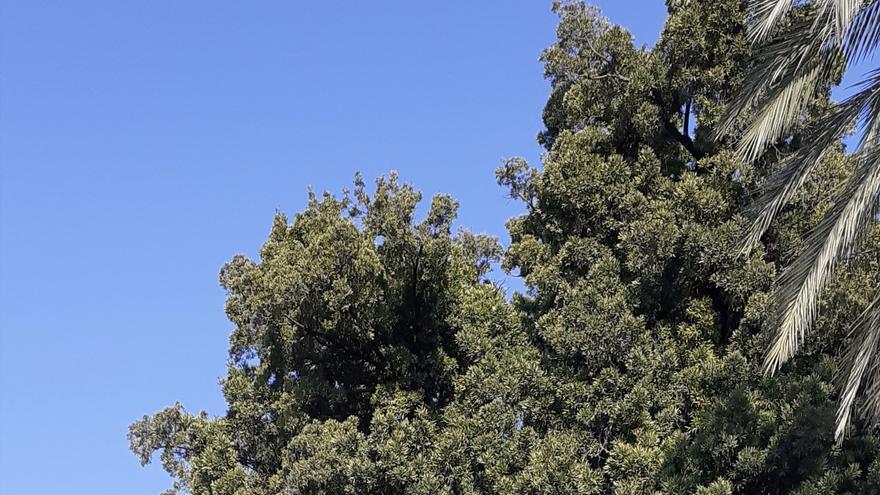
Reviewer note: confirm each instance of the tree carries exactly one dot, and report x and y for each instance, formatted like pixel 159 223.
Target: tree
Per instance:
pixel 371 355
pixel 333 318
pixel 645 315
pixel 803 49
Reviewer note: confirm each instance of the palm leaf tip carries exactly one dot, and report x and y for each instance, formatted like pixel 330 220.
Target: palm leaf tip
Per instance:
pixel 861 362
pixel 766 15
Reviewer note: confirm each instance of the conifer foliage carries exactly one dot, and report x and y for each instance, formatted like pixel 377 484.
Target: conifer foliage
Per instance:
pixel 371 354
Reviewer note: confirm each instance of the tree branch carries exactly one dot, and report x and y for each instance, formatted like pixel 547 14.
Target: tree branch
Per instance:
pixel 609 62
pixel 683 139
pixel 609 74
pixel 685 129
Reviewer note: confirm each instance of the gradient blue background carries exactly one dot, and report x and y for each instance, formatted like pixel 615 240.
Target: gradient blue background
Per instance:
pixel 143 144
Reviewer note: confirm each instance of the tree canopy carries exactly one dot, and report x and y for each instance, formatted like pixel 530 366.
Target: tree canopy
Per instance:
pixel 372 354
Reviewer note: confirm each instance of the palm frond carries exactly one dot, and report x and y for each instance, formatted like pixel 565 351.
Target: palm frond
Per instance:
pixel 863 34
pixel 842 12
pixel 791 66
pixel 784 106
pixel 798 55
pixel 767 15
pixel 781 187
pixel 861 362
pixel 796 299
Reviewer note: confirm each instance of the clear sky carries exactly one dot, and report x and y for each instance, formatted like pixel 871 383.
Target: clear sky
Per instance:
pixel 143 144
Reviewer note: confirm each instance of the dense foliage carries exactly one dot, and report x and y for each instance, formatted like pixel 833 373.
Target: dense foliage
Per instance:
pixel 371 354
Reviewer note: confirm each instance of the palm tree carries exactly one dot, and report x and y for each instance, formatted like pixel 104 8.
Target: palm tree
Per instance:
pixel 800 47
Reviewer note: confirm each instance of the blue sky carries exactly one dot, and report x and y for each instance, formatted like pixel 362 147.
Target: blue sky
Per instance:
pixel 143 144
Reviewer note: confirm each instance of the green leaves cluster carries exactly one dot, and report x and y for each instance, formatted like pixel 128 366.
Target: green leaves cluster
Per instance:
pixel 371 355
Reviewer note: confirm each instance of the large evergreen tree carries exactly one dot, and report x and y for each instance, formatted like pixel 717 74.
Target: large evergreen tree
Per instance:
pixel 370 355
